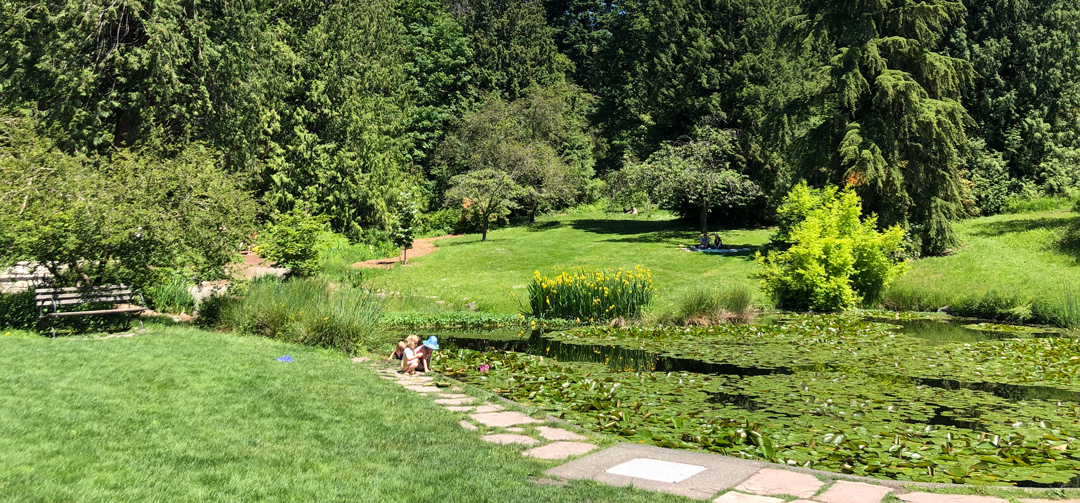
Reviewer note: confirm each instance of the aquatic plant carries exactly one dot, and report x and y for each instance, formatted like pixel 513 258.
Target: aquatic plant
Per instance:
pixel 591 296
pixel 845 421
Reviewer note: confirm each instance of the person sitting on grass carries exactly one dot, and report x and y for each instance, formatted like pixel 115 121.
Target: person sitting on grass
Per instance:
pixel 431 344
pixel 704 241
pixel 398 353
pixel 412 357
pixel 718 244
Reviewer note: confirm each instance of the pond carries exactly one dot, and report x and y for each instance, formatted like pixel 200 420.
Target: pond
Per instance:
pixel 926 400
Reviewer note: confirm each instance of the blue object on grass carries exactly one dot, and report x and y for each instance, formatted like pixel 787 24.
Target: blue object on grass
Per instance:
pixel 285 358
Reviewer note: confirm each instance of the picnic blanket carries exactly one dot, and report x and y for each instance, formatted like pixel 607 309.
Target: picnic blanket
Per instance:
pixel 709 250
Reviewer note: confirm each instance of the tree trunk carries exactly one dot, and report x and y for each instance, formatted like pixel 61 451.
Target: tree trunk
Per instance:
pixel 405 256
pixel 705 217
pixel 483 236
pixel 532 214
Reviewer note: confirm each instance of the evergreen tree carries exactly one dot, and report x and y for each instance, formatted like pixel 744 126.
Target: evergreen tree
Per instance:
pixel 884 115
pixel 1026 98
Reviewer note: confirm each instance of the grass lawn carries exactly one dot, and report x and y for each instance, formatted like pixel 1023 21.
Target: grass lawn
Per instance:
pixel 1010 254
pixel 1013 254
pixel 467 270
pixel 180 414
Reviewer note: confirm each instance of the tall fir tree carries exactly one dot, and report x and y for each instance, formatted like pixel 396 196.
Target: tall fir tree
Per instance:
pixel 884 115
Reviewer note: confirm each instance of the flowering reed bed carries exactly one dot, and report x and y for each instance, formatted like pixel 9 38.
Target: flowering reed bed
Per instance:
pixel 591 296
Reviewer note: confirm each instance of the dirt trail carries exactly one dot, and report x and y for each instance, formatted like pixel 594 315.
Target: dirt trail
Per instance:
pixel 421 247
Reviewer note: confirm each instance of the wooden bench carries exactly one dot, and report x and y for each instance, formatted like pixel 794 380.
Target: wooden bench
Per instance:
pixel 51 300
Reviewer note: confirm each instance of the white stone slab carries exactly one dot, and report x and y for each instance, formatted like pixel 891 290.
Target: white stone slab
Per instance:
pixel 654 469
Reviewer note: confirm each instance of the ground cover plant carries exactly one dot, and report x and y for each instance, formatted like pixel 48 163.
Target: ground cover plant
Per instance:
pixel 591 296
pixel 180 414
pixel 825 391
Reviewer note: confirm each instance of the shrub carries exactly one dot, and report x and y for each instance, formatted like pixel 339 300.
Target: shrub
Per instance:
pixel 826 258
pixel 293 241
pixel 212 309
pixel 709 306
pixel 442 222
pixel 591 296
pixel 117 218
pixel 18 310
pixel 307 311
pixel 171 295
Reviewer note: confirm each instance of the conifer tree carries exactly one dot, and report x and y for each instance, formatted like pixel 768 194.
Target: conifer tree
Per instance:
pixel 884 114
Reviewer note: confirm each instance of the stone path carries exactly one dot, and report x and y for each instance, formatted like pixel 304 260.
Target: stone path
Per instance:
pixel 494 423
pixel 700 475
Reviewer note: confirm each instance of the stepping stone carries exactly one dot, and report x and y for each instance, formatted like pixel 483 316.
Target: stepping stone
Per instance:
pixel 423 389
pixel 558 434
pixel 509 438
pixel 502 419
pixel 453 395
pixel 362 359
pixel 655 469
pixel 453 401
pixel 516 429
pixel 455 388
pixel 769 481
pixel 734 497
pixel 853 492
pixel 559 450
pixel 802 501
pixel 489 408
pixel 467 425
pixel 459 409
pixel 947 498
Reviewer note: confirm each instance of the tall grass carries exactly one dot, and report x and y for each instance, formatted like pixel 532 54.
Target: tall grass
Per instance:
pixel 1035 205
pixel 1058 309
pixel 712 306
pixel 591 296
pixel 171 295
pixel 308 311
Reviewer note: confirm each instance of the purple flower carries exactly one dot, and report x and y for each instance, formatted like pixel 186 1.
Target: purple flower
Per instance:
pixel 484 368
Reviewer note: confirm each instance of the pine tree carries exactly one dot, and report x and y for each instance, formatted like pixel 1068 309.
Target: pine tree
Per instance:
pixel 884 114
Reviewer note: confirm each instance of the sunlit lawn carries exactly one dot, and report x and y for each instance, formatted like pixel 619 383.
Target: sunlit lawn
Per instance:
pixel 466 270
pixel 180 414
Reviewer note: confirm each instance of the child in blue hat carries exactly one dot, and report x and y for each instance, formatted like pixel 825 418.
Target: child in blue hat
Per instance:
pixel 431 344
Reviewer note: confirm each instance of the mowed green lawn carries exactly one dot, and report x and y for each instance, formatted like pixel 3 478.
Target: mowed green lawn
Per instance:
pixel 184 415
pixel 467 270
pixel 1015 254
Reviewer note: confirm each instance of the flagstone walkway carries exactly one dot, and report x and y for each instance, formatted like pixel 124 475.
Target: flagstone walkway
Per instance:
pixel 693 474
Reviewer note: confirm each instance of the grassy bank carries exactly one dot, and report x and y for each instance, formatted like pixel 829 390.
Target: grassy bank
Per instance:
pixel 186 415
pixel 495 274
pixel 1009 267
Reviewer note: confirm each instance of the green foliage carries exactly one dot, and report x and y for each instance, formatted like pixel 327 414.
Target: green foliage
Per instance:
pixel 442 222
pixel 485 195
pixel 92 220
pixel 1027 90
pixel 833 260
pixel 541 140
pixel 309 312
pixel 694 173
pixel 1035 205
pixel 467 320
pixel 18 311
pixel 590 297
pixel 408 218
pixel 293 241
pixel 883 114
pixel 712 306
pixel 171 295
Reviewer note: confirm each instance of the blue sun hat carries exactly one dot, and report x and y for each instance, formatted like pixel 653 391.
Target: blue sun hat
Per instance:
pixel 432 342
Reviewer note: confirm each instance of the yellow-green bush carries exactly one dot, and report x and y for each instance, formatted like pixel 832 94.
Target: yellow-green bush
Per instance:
pixel 827 257
pixel 591 296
